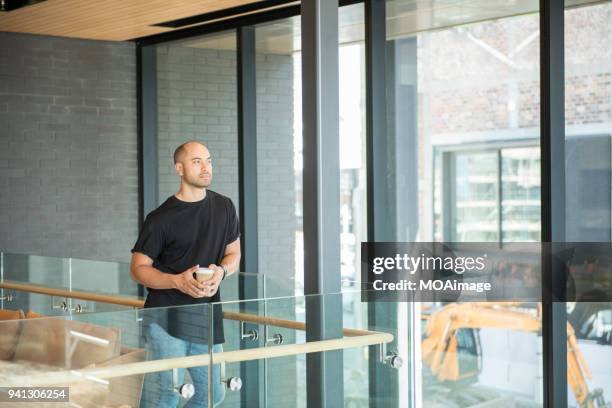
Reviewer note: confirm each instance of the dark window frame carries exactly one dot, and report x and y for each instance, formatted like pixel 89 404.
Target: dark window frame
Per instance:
pixel 446 154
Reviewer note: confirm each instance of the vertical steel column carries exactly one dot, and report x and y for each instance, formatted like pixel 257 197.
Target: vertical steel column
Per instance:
pixel 380 227
pixel 554 315
pixel 252 394
pixel 383 381
pixel 321 178
pixel 247 147
pixel 148 168
pixel 147 130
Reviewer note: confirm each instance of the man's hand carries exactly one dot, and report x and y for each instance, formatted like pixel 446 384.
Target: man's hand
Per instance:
pixel 186 283
pixel 212 285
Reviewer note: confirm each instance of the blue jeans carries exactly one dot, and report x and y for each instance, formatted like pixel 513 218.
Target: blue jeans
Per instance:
pixel 157 389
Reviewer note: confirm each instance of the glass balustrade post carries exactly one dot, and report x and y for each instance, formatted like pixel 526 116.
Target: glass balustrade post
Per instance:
pixel 69 300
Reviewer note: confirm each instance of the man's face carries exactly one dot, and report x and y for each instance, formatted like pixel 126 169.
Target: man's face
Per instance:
pixel 195 166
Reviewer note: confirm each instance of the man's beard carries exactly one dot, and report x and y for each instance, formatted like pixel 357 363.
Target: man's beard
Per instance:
pixel 200 183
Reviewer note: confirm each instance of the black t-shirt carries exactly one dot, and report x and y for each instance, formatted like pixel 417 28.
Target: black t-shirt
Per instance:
pixel 178 235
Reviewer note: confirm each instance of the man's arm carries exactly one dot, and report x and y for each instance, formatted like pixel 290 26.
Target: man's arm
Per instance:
pixel 231 262
pixel 143 272
pixel 231 257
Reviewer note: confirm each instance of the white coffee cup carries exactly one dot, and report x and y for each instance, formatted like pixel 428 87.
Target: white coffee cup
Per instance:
pixel 204 274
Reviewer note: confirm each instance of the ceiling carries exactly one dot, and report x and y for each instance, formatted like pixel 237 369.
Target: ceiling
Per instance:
pixel 113 20
pixel 121 20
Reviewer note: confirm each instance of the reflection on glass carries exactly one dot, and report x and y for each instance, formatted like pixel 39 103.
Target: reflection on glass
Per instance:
pixel 463 87
pixel 476 191
pixel 520 203
pixel 588 173
pixel 477 353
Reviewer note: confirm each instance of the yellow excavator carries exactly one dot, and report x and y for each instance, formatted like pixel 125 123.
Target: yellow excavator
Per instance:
pixel 442 338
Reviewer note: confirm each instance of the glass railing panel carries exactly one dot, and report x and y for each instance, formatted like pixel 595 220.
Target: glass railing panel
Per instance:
pixel 40 270
pixel 278 325
pixel 113 278
pixel 69 273
pixel 170 333
pixel 103 277
pixel 244 330
pixel 50 351
pixel 378 374
pixel 98 350
pixel 355 360
pixel 243 285
pixel 33 273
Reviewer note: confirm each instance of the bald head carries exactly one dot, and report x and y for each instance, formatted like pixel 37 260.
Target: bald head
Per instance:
pixel 193 164
pixel 181 151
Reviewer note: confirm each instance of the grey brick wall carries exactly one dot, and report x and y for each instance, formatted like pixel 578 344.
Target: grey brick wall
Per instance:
pixel 68 147
pixel 197 100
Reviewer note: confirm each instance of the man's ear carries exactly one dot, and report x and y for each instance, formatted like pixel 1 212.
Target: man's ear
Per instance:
pixel 179 168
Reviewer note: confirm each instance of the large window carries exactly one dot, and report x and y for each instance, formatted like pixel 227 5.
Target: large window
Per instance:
pixel 462 160
pixel 463 97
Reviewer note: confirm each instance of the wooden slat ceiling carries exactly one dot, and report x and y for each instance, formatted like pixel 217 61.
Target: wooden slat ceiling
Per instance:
pixel 121 20
pixel 112 20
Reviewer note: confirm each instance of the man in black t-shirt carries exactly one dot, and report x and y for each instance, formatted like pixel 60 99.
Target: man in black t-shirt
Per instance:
pixel 195 227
